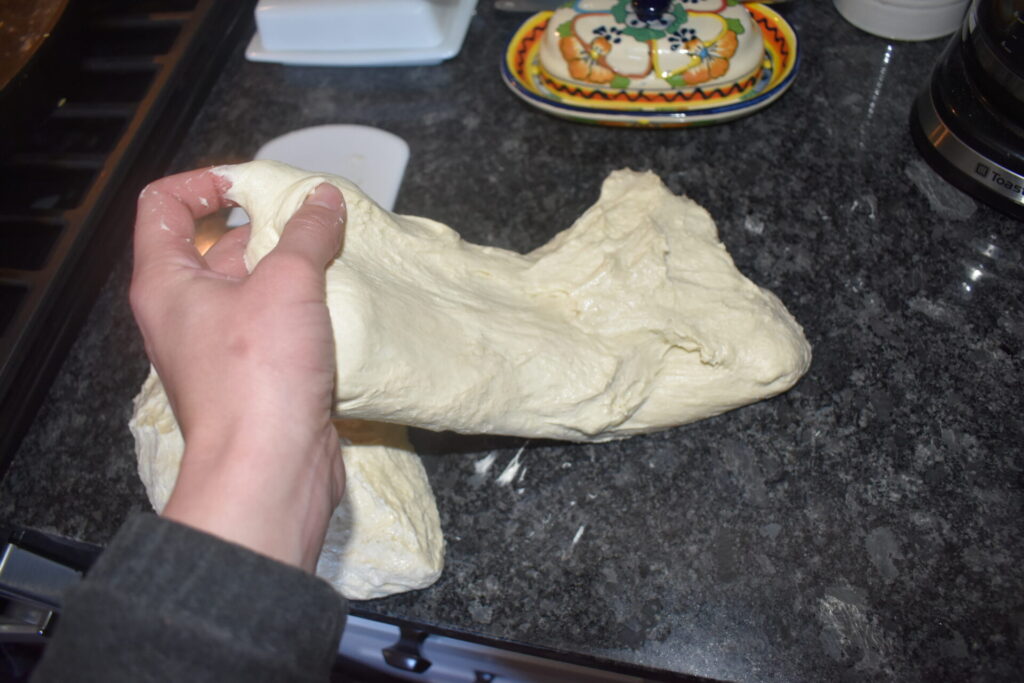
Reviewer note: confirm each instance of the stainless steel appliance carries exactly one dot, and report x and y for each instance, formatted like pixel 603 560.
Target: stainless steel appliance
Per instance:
pixel 969 121
pixel 94 98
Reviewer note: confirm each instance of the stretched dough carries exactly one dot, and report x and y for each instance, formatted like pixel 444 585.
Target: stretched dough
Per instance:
pixel 384 538
pixel 632 320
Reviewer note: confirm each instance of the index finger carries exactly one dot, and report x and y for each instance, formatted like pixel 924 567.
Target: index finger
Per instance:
pixel 165 221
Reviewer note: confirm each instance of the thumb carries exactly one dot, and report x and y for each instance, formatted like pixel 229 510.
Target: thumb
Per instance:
pixel 315 231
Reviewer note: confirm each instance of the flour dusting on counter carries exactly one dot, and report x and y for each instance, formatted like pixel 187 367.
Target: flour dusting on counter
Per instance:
pixel 508 475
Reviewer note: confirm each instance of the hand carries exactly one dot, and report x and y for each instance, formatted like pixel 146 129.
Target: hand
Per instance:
pixel 247 361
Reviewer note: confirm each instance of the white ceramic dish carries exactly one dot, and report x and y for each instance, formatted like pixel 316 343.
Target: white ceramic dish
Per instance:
pixel 904 19
pixel 453 17
pixel 372 158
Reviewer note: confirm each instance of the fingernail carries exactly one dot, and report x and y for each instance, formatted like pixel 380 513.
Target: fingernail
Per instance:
pixel 327 196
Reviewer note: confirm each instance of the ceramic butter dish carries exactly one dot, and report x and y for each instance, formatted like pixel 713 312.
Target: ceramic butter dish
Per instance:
pixel 659 45
pixel 664 63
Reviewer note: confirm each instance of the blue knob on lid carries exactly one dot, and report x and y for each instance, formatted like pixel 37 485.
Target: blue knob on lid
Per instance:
pixel 649 10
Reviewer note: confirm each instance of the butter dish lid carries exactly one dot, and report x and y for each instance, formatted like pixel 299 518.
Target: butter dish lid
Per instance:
pixel 652 45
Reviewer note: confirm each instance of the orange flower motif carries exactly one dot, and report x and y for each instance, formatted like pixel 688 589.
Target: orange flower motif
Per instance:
pixel 587 63
pixel 713 58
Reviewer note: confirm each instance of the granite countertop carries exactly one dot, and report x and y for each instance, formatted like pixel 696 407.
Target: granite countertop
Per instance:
pixel 866 525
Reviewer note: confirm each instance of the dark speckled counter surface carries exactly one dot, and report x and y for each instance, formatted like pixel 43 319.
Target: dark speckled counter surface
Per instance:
pixel 867 525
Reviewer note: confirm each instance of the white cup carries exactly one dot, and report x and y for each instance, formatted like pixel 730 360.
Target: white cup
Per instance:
pixel 904 19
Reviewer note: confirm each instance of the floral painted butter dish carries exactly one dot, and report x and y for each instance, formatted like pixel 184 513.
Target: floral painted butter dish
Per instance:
pixel 651 45
pixel 652 62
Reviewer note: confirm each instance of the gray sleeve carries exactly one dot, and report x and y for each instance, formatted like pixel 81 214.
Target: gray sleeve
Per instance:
pixel 165 602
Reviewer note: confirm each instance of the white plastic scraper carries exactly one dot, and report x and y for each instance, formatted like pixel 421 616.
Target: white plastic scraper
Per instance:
pixel 372 158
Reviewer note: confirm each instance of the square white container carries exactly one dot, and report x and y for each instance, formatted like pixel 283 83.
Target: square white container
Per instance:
pixel 359 32
pixel 334 25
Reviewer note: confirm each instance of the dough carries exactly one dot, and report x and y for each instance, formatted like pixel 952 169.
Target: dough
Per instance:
pixel 634 319
pixel 384 538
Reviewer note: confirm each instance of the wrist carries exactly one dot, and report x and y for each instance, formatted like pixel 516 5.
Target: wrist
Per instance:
pixel 274 499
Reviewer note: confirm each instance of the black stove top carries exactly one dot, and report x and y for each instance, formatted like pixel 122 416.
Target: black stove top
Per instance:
pixel 116 100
